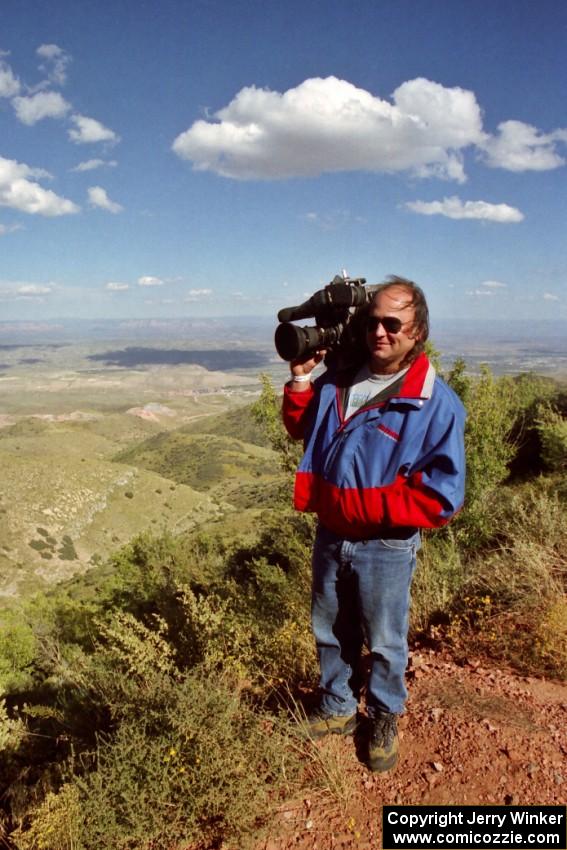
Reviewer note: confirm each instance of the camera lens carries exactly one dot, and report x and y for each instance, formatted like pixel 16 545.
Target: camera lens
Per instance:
pixel 293 342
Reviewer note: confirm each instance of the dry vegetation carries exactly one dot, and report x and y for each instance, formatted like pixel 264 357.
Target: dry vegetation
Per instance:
pixel 149 703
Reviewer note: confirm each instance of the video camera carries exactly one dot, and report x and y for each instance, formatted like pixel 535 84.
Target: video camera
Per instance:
pixel 338 309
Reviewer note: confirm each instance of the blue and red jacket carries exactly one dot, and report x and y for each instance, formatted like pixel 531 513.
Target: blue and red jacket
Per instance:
pixel 395 463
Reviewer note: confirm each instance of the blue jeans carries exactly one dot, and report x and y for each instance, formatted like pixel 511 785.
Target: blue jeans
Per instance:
pixel 361 592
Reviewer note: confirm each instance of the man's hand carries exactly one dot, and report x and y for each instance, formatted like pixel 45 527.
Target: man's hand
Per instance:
pixel 302 367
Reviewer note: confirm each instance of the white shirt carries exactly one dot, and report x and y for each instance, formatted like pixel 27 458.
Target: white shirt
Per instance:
pixel 366 385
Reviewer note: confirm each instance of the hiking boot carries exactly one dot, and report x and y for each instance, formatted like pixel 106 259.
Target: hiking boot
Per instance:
pixel 383 746
pixel 319 723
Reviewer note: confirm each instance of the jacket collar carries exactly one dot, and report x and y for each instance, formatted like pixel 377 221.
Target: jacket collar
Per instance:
pixel 418 381
pixel 417 385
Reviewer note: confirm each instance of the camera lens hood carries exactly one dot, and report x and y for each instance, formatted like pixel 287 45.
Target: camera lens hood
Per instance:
pixel 290 341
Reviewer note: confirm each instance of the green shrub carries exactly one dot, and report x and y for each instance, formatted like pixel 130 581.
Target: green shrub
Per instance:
pixel 39 545
pixel 67 550
pixel 550 645
pixel 213 770
pixel 11 732
pixel 438 580
pixel 18 648
pixel 56 822
pixel 267 413
pixel 185 756
pixel 511 600
pixel 552 430
pixel 490 408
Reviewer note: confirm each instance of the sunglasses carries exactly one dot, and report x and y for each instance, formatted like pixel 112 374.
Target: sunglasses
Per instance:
pixel 391 324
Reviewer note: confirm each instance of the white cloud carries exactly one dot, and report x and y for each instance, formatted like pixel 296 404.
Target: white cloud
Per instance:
pixel 521 147
pixel 488 288
pixel 9 228
pixel 49 51
pixel 19 291
pixel 9 84
pixel 36 107
pixel 197 295
pixel 455 208
pixel 149 280
pixel 116 287
pixel 32 290
pixel 332 219
pixel 481 293
pixel 20 191
pixel 451 169
pixel 91 164
pixel 89 130
pixel 55 65
pixel 494 284
pixel 99 198
pixel 548 296
pixel 326 125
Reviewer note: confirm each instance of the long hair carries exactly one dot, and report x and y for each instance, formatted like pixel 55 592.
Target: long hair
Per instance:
pixel 419 304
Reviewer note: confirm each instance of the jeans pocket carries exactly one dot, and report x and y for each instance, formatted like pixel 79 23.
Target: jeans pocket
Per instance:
pixel 402 545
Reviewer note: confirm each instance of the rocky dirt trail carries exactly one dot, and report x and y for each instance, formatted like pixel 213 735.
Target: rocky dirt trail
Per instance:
pixel 471 735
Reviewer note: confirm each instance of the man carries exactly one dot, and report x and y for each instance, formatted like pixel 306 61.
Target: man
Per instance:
pixel 384 457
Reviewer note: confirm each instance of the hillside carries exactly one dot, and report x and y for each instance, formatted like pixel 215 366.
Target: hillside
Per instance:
pixel 64 506
pixel 200 460
pixel 108 677
pixel 79 483
pixel 238 423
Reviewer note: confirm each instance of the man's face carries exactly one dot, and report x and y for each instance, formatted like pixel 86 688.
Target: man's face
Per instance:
pixel 387 349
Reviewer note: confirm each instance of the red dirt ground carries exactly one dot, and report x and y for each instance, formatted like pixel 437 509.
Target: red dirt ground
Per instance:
pixel 471 735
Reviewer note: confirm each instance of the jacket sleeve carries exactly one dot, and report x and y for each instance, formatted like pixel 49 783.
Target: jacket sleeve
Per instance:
pixel 294 411
pixel 433 490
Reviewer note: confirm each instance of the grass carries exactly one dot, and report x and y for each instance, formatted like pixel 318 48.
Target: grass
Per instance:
pixel 508 600
pixel 324 759
pixel 201 461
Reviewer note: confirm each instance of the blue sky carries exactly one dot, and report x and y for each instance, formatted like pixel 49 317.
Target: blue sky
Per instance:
pixel 206 157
